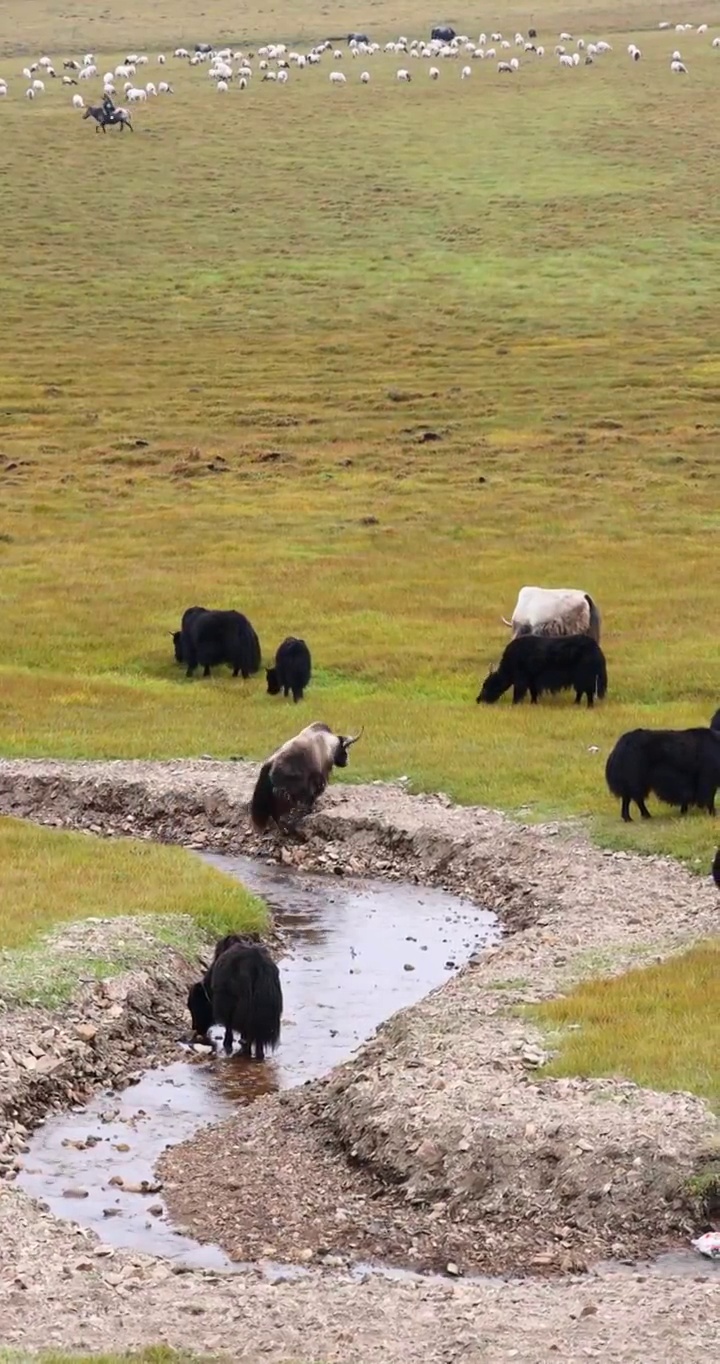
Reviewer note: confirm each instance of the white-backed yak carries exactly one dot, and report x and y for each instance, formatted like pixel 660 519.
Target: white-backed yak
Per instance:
pixel 297 773
pixel 554 611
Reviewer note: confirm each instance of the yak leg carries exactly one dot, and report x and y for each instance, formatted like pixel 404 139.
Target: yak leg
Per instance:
pixel 246 1049
pixel 228 1040
pixel 625 810
pixel 642 807
pixel 519 693
pixel 259 1051
pixel 683 809
pixel 590 699
pixel 206 670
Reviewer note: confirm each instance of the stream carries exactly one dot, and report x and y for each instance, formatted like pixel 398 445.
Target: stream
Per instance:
pixel 356 951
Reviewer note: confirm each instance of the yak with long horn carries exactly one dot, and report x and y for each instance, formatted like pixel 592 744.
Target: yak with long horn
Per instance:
pixel 297 773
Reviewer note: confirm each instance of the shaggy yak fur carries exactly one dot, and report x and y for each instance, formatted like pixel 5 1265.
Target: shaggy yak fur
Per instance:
pixel 538 663
pixel 681 766
pixel 209 638
pixel 292 669
pixel 240 991
pixel 297 773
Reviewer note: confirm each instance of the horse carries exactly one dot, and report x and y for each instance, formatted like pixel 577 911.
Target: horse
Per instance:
pixel 103 119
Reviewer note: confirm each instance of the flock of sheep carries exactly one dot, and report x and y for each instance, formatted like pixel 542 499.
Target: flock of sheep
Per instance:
pixel 228 68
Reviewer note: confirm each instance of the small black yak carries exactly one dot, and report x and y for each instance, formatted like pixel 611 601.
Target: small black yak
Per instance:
pixel 292 670
pixel 297 773
pixel 540 663
pixel 209 638
pixel 241 991
pixel 681 766
pixel 443 33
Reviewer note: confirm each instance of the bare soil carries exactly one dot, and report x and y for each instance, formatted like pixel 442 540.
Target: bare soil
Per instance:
pixel 437 1145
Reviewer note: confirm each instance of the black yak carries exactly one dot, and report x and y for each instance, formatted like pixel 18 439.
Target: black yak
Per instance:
pixel 209 638
pixel 442 34
pixel 292 669
pixel 240 991
pixel 538 663
pixel 681 766
pixel 297 773
pixel 358 38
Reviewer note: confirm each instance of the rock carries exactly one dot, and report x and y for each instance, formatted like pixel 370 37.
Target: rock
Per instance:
pixel 86 1032
pixel 156 1209
pixel 453 1269
pixel 76 1193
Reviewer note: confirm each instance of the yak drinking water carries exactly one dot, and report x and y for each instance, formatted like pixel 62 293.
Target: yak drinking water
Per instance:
pixel 241 992
pixel 297 773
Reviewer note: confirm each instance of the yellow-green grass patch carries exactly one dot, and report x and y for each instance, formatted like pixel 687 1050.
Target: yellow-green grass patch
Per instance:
pixel 657 1025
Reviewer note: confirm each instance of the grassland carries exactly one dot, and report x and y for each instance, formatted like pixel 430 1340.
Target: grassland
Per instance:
pixel 51 877
pixel 223 339
pixel 657 1025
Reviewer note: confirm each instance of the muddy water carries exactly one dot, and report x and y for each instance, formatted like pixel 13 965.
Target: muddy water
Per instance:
pixel 356 952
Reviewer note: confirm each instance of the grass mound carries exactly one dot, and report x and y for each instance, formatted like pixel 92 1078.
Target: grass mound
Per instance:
pixel 50 877
pixel 657 1025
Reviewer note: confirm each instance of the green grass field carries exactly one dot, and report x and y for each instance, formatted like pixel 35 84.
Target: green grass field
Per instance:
pixel 224 337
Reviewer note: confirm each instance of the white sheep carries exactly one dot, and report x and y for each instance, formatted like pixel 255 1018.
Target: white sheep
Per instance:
pixel 29 93
pixel 136 95
pixel 514 63
pixel 679 68
pixel 141 61
pixel 109 90
pixel 602 46
pixel 466 73
pixel 634 52
pixel 164 88
pixel 365 77
pixel 45 61
pixel 490 53
pixel 270 76
pixel 716 42
pixel 434 73
pixel 505 69
pixel 540 52
pixel 181 52
pixel 151 89
pixel 39 87
pixel 566 37
pixel 3 91
pixel 519 40
pixel 161 58
pixel 88 59
pixel 337 78
pixel 222 86
pixel 403 75
pixel 282 77
pixel 337 55
pixel 78 102
pixel 87 73
pixel 242 83
pixel 702 28
pixel 576 58
pixel 505 44
pixel 565 60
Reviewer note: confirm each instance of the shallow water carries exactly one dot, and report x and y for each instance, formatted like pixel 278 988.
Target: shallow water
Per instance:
pixel 356 952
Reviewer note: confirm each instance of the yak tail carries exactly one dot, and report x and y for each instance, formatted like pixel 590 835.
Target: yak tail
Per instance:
pixel 601 676
pixel 262 804
pixel 594 626
pixel 264 1003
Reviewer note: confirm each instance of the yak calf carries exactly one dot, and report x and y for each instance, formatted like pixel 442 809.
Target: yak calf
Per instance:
pixel 292 670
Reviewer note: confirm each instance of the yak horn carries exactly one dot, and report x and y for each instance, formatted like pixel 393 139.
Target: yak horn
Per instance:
pixel 506 622
pixel 353 738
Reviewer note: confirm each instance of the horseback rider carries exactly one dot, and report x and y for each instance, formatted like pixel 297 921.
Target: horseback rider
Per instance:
pixel 108 108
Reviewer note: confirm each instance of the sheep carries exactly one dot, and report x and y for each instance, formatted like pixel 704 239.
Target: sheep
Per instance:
pixel 676 56
pixel 514 63
pixel 565 60
pixel 165 89
pixel 634 52
pixel 403 75
pixel 68 80
pixel 3 91
pixel 702 28
pixel 337 78
pixel 160 58
pixel 505 69
pixel 337 55
pixel 566 37
pixel 466 73
pixel 434 73
pixel 602 46
pixel 150 89
pixel 88 59
pixel 282 77
pixel 29 93
pixel 296 774
pixel 181 53
pixel 242 83
pixel 490 52
pixel 364 77
pixel 505 44
pixel 679 68
pixel 136 95
pixel 222 87
pixel 576 58
pixel 716 42
pixel 540 52
pixel 39 87
pixel 580 44
pixel 270 76
pixel 78 102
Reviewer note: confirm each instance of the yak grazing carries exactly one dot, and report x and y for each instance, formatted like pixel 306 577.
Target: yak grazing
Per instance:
pixel 209 638
pixel 241 991
pixel 297 773
pixel 292 670
pixel 554 611
pixel 681 766
pixel 536 664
